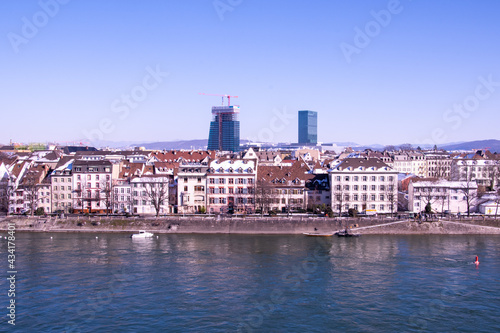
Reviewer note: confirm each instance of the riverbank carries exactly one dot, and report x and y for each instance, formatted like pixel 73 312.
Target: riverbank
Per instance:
pixel 250 225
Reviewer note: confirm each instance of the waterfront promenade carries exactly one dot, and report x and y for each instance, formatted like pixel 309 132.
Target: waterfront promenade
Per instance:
pixel 254 225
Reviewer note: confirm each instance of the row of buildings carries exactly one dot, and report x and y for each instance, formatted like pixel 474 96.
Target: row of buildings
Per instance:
pixel 170 182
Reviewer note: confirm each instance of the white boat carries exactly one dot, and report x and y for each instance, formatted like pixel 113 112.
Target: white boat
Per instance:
pixel 142 234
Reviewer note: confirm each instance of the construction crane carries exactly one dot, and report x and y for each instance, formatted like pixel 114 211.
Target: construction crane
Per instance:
pixel 228 97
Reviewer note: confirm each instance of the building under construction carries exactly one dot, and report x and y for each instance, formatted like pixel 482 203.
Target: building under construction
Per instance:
pixel 224 129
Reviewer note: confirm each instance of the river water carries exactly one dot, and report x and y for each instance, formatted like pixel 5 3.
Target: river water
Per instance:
pixel 76 282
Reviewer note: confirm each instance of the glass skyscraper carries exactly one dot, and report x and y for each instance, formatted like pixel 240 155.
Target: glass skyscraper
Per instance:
pixel 308 127
pixel 224 129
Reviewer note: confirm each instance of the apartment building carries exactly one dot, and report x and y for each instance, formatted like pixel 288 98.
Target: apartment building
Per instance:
pixel 364 184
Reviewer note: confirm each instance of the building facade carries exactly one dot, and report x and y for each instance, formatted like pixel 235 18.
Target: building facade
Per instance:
pixel 224 132
pixel 442 195
pixel 364 184
pixel 308 127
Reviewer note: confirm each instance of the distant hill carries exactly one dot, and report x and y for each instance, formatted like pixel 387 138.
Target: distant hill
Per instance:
pixel 168 145
pixel 491 145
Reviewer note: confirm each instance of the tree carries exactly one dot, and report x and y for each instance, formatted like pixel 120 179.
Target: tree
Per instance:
pixel 469 190
pixel 107 189
pixel 263 196
pixel 339 197
pixel 428 208
pixel 156 192
pixel 5 193
pixel 406 147
pixel 31 193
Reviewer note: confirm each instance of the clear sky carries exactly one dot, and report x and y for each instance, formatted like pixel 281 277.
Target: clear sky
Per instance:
pixel 386 72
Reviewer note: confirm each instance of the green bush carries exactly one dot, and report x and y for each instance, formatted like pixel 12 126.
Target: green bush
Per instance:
pixel 39 211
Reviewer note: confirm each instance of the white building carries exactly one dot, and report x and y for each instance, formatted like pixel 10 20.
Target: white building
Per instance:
pixel 192 188
pixel 364 184
pixel 231 186
pixel 92 186
pixel 62 186
pixel 443 195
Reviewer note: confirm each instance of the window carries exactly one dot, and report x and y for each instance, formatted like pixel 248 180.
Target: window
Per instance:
pixel 55 180
pixel 382 197
pixel 89 177
pixel 365 187
pixel 355 178
pixel 355 197
pixel 199 179
pixel 185 180
pixel 211 181
pixel 373 187
pixel 96 177
pixel 346 178
pixel 250 181
pixel 69 196
pixel 338 187
pixel 382 207
pixel 185 188
pixel 355 187
pixel 373 178
pixel 108 177
pixel 391 178
pixel 365 178
pixel 55 188
pixel 372 197
pixel 382 187
pixel 78 177
pixel 338 178
pixel 346 187
pixel 231 181
pixel 382 178
pixel 55 196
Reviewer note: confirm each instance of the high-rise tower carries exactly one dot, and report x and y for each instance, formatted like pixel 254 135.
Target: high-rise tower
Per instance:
pixel 224 129
pixel 308 127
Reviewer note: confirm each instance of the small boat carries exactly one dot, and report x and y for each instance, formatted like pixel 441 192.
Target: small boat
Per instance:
pixel 318 234
pixel 346 233
pixel 142 234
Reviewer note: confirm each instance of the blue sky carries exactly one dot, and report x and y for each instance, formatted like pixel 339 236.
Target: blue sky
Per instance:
pixel 386 72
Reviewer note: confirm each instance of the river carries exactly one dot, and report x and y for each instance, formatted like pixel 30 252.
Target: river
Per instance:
pixel 85 282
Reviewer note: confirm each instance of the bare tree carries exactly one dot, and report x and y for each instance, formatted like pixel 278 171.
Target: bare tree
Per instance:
pixel 339 196
pixel 107 190
pixel 263 196
pixel 31 193
pixel 156 192
pixel 406 147
pixel 469 190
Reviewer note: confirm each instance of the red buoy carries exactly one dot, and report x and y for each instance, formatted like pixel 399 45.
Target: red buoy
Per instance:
pixel 477 260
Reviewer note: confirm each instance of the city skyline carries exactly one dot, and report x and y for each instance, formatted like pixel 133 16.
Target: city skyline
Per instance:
pixel 385 72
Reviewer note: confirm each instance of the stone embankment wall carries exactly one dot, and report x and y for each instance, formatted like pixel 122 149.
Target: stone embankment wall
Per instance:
pixel 250 225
